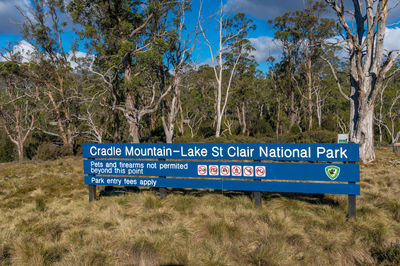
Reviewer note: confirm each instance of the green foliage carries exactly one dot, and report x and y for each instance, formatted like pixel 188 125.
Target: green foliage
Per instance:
pixel 295 129
pixel 319 136
pixel 51 151
pixel 206 131
pixel 314 136
pixel 7 152
pixel 226 139
pixel 262 128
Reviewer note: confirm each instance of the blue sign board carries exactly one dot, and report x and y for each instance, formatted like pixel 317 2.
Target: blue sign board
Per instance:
pixel 241 170
pixel 225 151
pixel 319 188
pixel 226 166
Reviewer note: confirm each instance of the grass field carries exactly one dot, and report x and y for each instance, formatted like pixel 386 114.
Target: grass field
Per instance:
pixel 46 219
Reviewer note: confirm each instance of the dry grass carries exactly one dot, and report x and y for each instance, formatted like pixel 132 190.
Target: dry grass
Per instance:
pixel 46 219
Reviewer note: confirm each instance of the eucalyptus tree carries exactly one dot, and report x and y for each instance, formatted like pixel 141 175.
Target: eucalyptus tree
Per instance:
pixel 180 47
pixel 387 115
pixel 363 30
pixel 17 104
pixel 303 34
pixel 128 40
pixel 231 43
pixel 111 32
pixel 247 92
pixel 290 41
pixel 282 112
pixel 198 99
pixel 49 69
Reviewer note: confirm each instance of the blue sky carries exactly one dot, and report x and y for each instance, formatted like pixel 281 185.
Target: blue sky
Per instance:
pixel 258 10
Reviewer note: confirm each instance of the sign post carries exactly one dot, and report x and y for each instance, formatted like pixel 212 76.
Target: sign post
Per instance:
pixel 92 189
pixel 92 193
pixel 163 191
pixel 257 194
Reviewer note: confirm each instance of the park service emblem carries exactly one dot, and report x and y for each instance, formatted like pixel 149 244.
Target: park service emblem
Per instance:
pixel 332 172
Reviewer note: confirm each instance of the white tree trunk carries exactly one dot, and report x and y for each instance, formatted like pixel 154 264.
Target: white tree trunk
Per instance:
pixel 134 131
pixel 368 66
pixel 363 131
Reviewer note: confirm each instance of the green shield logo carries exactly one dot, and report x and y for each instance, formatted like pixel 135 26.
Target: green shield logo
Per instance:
pixel 332 172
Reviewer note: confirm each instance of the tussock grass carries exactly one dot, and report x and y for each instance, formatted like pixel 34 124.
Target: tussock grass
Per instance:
pixel 46 219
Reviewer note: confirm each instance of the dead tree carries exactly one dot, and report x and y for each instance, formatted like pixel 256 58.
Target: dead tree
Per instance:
pixel 368 65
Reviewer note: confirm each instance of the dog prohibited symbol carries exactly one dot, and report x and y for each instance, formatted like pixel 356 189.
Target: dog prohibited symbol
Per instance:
pixel 236 170
pixel 225 171
pixel 260 171
pixel 213 169
pixel 248 171
pixel 202 170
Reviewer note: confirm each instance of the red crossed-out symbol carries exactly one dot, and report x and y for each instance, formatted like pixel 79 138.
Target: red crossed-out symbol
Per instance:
pixel 260 171
pixel 225 170
pixel 202 170
pixel 248 171
pixel 236 170
pixel 213 169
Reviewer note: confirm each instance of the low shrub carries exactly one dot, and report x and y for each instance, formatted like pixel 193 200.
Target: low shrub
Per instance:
pixel 7 151
pixel 319 136
pixel 51 151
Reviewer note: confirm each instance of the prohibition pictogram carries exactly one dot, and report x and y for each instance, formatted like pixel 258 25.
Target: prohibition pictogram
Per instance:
pixel 225 171
pixel 248 171
pixel 202 170
pixel 213 169
pixel 260 171
pixel 237 170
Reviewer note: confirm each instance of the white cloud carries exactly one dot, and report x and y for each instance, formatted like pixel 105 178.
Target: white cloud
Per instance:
pixel 79 58
pixel 24 52
pixel 265 47
pixel 392 41
pixel 207 61
pixel 10 17
pixel 392 38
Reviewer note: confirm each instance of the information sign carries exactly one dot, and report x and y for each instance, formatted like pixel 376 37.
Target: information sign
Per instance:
pixel 225 151
pixel 243 170
pixel 343 138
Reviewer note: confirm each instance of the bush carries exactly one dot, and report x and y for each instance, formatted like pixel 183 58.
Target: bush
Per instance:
pixel 7 151
pixel 51 151
pixel 78 146
pixel 225 139
pixel 206 131
pixel 261 129
pixel 295 129
pixel 290 138
pixel 33 142
pixel 319 136
pixel 187 139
